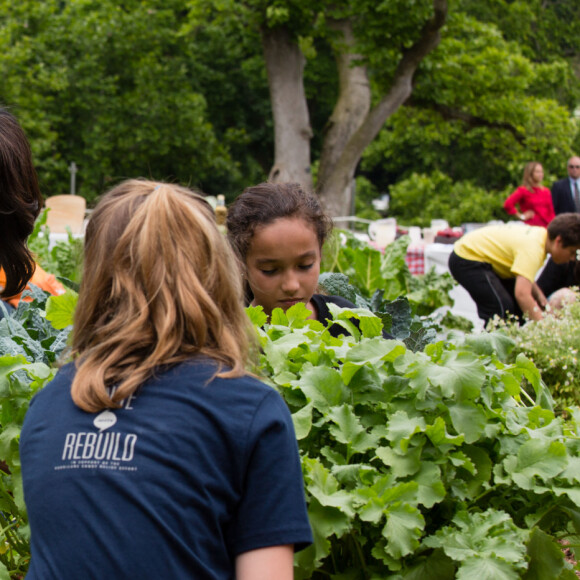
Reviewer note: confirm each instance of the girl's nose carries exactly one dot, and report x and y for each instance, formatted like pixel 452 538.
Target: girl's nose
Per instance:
pixel 290 283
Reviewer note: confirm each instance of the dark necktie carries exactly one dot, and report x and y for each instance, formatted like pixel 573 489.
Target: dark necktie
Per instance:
pixel 576 196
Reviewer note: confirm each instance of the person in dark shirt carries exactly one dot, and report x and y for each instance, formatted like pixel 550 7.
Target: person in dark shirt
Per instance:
pixel 155 442
pixel 278 230
pixel 566 192
pixel 555 281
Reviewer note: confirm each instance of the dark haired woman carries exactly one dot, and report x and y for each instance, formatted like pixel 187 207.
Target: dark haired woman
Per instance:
pixel 20 204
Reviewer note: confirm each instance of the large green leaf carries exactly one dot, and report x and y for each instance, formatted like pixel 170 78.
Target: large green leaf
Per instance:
pixel 403 529
pixel 349 431
pixel 537 458
pixel 325 488
pixel 401 427
pixel 546 557
pixel 468 419
pixel 324 387
pixel 60 309
pixel 459 375
pixel 486 569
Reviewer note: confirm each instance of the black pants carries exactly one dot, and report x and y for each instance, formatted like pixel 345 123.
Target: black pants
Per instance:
pixel 492 294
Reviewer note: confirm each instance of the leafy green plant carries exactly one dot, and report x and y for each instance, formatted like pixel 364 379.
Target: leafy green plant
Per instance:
pixel 369 270
pixel 381 282
pixel 428 465
pixel 553 345
pixel 29 347
pixel 19 380
pixel 64 260
pixel 27 332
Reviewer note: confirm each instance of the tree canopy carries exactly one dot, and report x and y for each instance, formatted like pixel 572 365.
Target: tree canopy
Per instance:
pixel 220 94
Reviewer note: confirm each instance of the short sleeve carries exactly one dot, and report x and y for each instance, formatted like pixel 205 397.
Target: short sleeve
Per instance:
pixel 272 510
pixel 528 261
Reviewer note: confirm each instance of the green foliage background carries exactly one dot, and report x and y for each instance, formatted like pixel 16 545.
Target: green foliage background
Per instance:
pixel 177 90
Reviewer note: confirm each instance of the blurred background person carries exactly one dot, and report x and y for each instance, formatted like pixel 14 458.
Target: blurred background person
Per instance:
pixel 566 192
pixel 498 264
pixel 531 202
pixel 556 279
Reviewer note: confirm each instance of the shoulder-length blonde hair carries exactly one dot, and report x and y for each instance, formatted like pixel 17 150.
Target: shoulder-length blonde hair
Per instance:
pixel 160 285
pixel 528 180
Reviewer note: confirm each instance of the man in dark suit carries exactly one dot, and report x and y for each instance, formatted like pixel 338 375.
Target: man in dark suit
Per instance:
pixel 566 192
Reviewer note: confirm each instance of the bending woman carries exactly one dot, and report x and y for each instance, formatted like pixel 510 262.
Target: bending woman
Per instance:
pixel 20 204
pixel 155 443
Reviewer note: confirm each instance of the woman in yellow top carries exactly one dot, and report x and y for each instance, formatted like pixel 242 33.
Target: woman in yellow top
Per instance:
pixel 497 265
pixel 20 204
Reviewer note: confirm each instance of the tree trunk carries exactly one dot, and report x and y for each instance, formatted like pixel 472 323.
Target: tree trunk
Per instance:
pixel 292 131
pixel 350 111
pixel 335 190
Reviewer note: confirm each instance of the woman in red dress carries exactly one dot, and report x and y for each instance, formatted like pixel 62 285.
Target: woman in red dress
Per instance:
pixel 531 202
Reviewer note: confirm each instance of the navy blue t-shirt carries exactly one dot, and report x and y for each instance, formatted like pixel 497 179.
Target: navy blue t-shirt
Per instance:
pixel 191 472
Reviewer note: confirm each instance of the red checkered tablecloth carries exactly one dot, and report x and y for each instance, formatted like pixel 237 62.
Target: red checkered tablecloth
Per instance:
pixel 415 259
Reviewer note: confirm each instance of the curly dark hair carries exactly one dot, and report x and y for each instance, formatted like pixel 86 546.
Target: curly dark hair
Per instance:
pixel 20 204
pixel 262 204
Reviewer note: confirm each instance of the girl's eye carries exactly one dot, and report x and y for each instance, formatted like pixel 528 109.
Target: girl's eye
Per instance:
pixel 306 266
pixel 268 272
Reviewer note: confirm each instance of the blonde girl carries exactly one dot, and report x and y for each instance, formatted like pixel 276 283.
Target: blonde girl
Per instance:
pixel 154 454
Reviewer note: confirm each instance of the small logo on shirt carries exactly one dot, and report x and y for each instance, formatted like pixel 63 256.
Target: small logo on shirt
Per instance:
pixel 103 450
pixel 104 420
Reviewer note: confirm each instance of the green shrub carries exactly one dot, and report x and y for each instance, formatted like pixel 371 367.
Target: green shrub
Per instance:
pixel 29 347
pixel 431 465
pixel 385 272
pixel 365 193
pixel 382 282
pixel 427 465
pixel 438 197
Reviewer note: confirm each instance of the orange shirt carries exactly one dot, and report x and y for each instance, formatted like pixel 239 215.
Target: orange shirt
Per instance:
pixel 40 278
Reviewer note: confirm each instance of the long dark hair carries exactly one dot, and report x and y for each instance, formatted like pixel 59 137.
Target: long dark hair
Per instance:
pixel 20 204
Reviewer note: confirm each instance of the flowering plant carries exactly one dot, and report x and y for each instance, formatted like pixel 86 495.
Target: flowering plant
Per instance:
pixel 553 345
